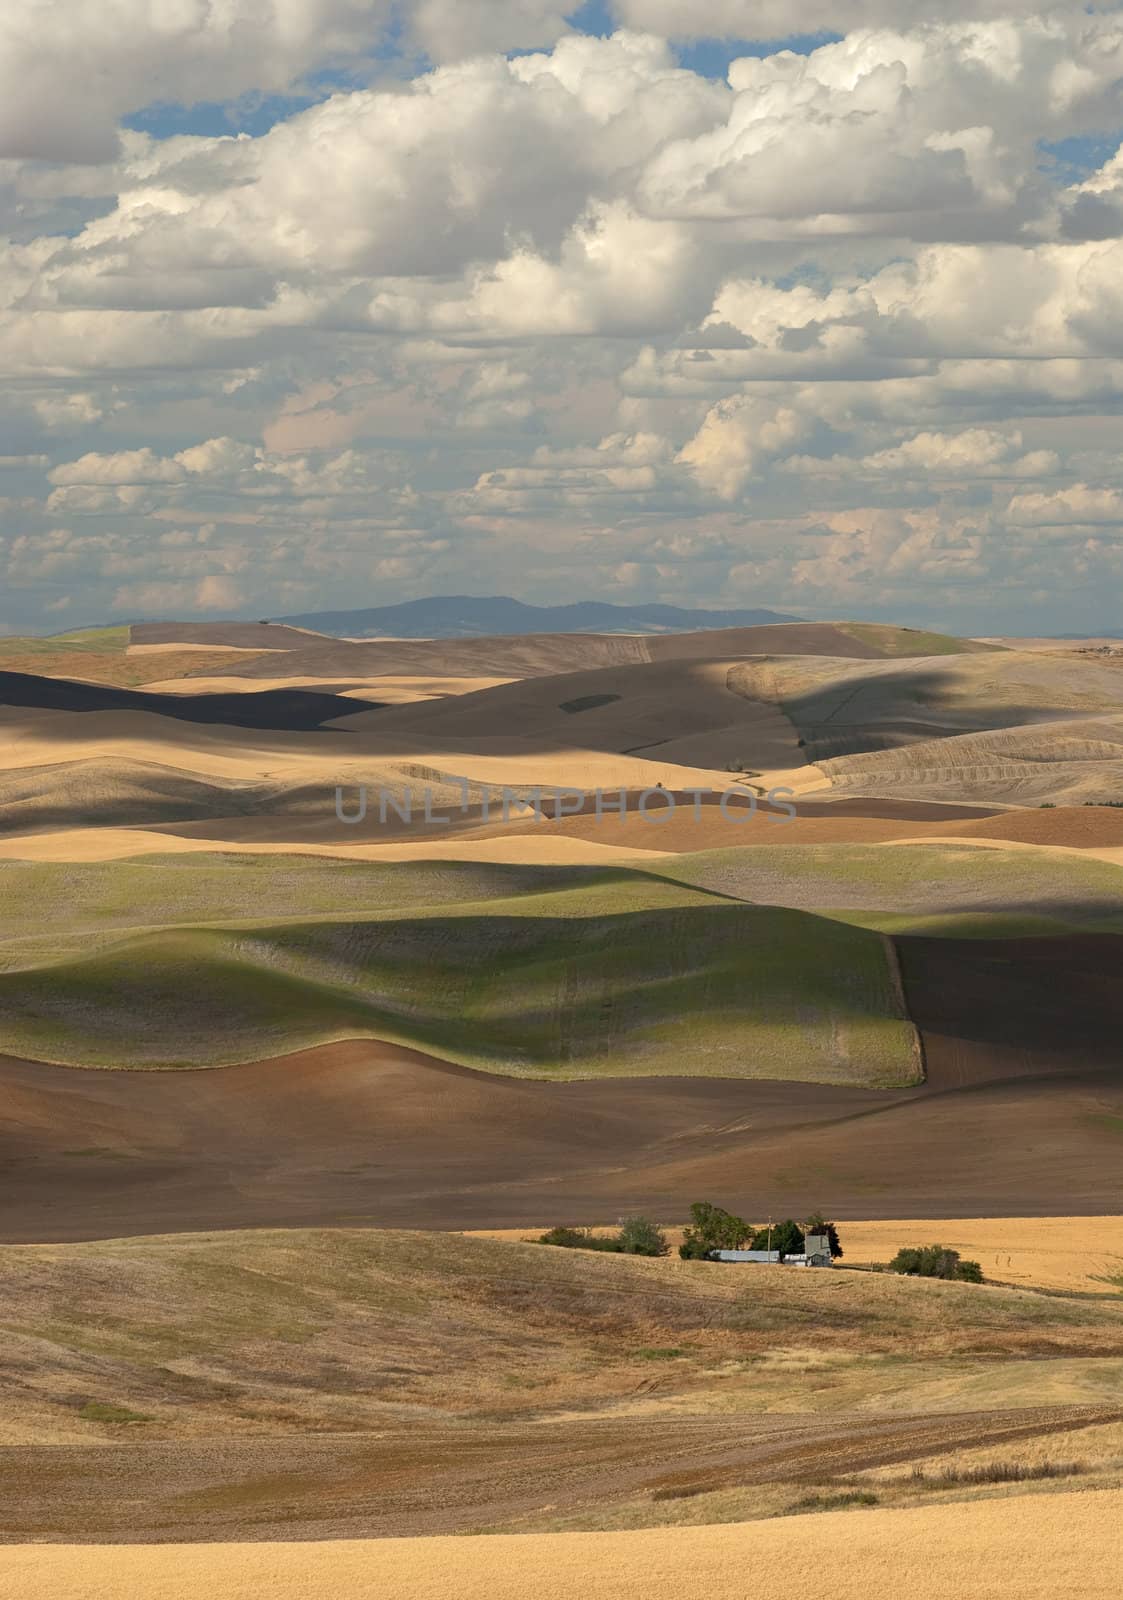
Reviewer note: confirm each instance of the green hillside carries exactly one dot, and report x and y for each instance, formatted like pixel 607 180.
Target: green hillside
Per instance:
pixel 72 902
pixel 710 988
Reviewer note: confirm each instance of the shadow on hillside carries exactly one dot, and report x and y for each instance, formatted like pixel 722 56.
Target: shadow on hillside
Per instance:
pixel 285 710
pixel 911 704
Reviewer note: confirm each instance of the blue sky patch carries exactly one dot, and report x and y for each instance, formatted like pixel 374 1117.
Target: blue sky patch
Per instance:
pixel 1073 160
pixel 256 114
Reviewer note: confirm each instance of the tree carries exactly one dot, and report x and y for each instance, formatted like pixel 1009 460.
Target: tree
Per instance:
pixel 934 1261
pixel 786 1236
pixel 694 1248
pixel 639 1237
pixel 713 1229
pixel 817 1223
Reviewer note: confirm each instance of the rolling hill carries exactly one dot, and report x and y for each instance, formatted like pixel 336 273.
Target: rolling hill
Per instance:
pixel 331 1383
pixel 543 654
pixel 613 1011
pixel 621 975
pixel 467 616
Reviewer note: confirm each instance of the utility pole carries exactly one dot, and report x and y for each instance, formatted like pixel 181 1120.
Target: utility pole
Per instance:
pixel 770 1236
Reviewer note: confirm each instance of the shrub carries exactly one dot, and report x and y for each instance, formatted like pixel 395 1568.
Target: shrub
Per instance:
pixel 566 1238
pixel 934 1261
pixel 577 1239
pixel 831 1502
pixel 637 1237
pixel 996 1472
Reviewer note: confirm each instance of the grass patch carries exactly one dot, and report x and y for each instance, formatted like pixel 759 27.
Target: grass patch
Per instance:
pixel 892 641
pixel 1106 1120
pixel 92 641
pixel 100 1411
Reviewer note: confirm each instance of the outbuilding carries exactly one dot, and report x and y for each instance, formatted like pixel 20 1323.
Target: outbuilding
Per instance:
pixel 816 1253
pixel 772 1256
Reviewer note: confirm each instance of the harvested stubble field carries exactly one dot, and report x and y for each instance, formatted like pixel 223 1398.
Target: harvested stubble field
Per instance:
pixel 840 707
pixel 1072 763
pixel 328 1384
pixel 1010 728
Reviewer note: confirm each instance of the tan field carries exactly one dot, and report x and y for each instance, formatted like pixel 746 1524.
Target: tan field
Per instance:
pixel 1061 647
pixel 1111 853
pixel 42 738
pixel 1040 1548
pixel 1035 1251
pixel 201 650
pixel 388 690
pixel 1032 1252
pixel 119 666
pixel 119 844
pixel 1096 828
pixel 578 840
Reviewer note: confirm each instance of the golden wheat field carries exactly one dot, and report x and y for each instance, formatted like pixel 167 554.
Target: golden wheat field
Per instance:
pixel 1031 1548
pixel 1029 1251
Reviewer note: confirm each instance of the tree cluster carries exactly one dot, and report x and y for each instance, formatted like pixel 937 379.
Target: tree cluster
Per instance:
pixel 712 1228
pixel 934 1261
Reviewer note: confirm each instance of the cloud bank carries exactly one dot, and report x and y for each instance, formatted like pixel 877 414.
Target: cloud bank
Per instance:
pixel 510 306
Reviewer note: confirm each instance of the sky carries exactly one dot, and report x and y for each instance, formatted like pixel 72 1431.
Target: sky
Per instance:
pixel 319 303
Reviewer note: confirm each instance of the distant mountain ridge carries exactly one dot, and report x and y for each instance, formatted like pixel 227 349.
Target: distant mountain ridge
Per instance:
pixel 491 616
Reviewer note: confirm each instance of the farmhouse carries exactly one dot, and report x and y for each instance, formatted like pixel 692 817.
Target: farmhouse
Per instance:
pixel 816 1253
